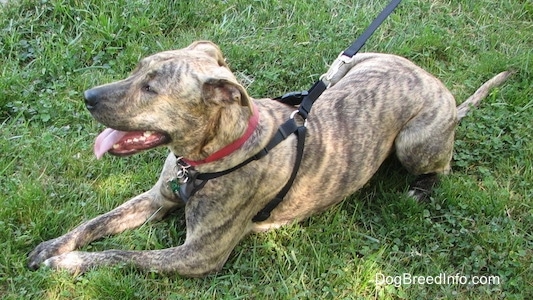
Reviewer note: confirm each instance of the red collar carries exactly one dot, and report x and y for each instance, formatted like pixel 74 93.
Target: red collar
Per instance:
pixel 227 150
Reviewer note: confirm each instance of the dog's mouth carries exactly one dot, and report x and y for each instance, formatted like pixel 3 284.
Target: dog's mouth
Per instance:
pixel 123 143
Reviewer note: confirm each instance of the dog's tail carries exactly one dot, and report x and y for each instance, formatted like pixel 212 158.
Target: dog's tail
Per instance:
pixel 481 93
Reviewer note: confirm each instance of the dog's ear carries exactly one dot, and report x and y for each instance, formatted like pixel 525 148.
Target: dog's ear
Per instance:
pixel 211 49
pixel 225 92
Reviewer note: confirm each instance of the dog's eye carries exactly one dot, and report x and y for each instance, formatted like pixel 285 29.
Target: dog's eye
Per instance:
pixel 147 88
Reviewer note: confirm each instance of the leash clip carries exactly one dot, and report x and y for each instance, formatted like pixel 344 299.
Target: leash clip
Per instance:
pixel 340 61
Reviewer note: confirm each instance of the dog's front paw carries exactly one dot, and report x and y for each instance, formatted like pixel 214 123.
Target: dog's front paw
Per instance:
pixel 46 250
pixel 72 262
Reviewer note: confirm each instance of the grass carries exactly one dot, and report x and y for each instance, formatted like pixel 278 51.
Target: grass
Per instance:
pixel 478 222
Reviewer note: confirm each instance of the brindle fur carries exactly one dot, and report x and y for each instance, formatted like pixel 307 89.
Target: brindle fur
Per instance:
pixel 384 104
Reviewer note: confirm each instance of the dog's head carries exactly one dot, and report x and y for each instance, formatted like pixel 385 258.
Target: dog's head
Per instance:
pixel 187 99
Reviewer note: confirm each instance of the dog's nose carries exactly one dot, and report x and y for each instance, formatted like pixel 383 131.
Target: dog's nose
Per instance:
pixel 91 98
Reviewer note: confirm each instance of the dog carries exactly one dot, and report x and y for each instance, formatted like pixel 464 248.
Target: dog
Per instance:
pixel 190 101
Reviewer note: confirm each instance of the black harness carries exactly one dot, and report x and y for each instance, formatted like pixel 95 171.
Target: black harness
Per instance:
pixel 189 181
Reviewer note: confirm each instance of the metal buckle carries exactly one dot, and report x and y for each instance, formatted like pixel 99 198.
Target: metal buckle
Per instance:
pixel 297 112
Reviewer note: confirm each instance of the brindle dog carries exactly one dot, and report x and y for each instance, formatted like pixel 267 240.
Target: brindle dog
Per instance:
pixel 190 101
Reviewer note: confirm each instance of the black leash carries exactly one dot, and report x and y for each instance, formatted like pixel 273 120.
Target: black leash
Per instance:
pixel 189 181
pixel 360 42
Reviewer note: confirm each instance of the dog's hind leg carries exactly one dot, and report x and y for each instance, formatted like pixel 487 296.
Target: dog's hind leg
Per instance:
pixel 421 187
pixel 424 146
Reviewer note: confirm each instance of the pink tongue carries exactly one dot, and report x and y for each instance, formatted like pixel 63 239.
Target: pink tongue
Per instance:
pixel 105 141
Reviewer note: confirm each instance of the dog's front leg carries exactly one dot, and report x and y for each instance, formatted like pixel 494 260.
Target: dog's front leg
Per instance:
pixel 208 244
pixel 216 219
pixel 187 260
pixel 133 213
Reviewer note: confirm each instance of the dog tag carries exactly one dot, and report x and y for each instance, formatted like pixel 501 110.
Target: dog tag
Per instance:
pixel 174 186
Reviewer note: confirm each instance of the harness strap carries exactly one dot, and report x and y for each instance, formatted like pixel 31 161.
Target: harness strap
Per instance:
pixel 316 90
pixel 265 212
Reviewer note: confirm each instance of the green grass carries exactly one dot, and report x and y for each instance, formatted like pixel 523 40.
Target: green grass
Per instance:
pixel 479 221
